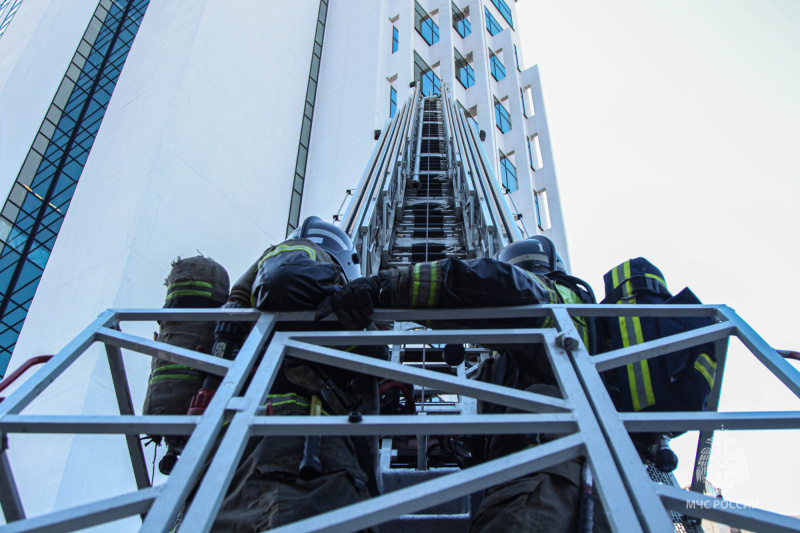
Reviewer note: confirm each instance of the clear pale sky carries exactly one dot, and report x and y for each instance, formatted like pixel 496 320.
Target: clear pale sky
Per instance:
pixel 676 137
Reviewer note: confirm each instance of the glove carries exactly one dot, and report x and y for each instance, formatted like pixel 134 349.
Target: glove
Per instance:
pixel 228 335
pixel 353 304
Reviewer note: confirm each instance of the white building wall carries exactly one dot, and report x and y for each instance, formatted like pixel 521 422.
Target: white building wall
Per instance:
pixel 196 152
pixel 349 104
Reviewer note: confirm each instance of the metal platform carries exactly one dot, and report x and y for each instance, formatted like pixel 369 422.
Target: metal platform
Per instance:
pixel 590 425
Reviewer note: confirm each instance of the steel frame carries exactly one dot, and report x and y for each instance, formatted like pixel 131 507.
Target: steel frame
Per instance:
pixel 590 424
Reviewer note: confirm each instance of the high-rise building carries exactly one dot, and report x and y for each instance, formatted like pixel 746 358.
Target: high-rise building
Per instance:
pixel 135 131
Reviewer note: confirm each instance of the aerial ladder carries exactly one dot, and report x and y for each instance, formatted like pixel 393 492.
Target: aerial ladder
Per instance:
pixel 428 193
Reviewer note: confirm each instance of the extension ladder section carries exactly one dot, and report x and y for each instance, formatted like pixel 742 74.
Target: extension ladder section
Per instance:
pixel 428 227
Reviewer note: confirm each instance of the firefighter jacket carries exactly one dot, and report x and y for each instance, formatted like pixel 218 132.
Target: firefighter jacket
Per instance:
pixel 295 275
pixel 481 283
pixel 267 491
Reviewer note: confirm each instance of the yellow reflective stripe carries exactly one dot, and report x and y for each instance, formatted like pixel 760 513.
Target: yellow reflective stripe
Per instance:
pixel 634 391
pixel 184 283
pixel 637 328
pixel 283 248
pixel 434 285
pixel 293 398
pixel 648 384
pixel 657 278
pixel 172 367
pixel 162 377
pixel 706 366
pixel 415 287
pixel 316 406
pixel 175 294
pixel 639 380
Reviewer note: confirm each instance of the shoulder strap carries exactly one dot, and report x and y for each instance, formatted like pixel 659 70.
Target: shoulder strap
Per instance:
pixel 638 285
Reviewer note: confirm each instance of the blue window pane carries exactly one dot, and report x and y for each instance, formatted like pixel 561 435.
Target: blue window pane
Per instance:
pixel 464 72
pixel 425 25
pixel 508 173
pixel 392 102
pixel 522 98
pixel 502 117
pixel 504 10
pixel 461 22
pixel 395 39
pixel 497 69
pixel 431 84
pixel 516 56
pixel 492 26
pixel 466 75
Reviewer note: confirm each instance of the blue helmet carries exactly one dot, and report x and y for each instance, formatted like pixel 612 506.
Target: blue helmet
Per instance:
pixel 333 240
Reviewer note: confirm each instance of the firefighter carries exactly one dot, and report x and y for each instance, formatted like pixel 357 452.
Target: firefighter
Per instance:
pixel 195 282
pixel 523 273
pixel 278 482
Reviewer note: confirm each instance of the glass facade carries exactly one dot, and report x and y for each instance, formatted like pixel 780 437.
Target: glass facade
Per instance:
pixel 501 117
pixel 460 22
pixel 508 173
pixel 8 8
pixel 308 116
pixel 427 79
pixel 425 25
pixel 492 26
pixel 395 39
pixel 392 102
pixel 497 68
pixel 39 200
pixel 464 72
pixel 504 10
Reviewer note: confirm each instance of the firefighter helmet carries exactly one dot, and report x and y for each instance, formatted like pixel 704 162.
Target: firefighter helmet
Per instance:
pixel 535 254
pixel 333 240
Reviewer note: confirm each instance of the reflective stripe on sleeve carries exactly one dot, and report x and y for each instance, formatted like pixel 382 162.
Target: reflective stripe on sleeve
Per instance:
pixel 189 288
pixel 283 248
pixel 425 288
pixel 706 366
pixel 292 398
pixel 164 377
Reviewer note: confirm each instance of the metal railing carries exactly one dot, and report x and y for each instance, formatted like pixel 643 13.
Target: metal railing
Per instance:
pixel 586 416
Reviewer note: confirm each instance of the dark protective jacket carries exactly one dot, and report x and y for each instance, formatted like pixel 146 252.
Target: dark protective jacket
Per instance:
pixel 544 501
pixel 266 490
pixel 481 283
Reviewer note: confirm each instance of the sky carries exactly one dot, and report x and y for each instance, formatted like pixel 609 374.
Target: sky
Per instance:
pixel 676 131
